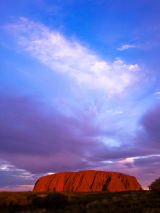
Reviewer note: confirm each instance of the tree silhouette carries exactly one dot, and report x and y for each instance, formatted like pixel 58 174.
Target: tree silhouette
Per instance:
pixel 155 185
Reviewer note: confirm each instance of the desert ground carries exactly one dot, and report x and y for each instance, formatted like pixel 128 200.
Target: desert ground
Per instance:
pixel 101 202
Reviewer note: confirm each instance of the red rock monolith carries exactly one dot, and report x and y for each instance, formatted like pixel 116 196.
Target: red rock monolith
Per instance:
pixel 87 181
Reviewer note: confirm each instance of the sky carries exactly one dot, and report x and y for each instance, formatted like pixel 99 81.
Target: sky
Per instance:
pixel 79 89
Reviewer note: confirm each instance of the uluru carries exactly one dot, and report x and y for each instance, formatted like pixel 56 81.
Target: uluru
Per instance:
pixel 87 181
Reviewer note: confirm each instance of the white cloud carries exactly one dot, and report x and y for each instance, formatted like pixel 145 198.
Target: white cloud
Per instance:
pixel 8 167
pixel 126 47
pixel 76 61
pixel 132 159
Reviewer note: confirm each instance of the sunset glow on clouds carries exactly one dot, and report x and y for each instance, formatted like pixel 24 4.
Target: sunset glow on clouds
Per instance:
pixel 77 91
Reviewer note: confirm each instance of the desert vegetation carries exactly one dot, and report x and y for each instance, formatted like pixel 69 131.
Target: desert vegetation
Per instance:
pixel 131 201
pixel 155 185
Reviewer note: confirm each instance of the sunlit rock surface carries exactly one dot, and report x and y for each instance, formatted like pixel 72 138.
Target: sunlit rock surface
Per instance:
pixel 87 181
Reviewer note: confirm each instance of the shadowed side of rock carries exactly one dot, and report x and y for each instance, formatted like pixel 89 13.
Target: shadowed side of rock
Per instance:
pixel 87 181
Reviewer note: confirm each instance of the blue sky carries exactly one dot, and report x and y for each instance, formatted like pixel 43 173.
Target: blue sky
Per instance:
pixel 79 88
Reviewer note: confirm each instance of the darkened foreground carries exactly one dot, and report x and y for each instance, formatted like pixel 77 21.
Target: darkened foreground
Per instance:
pixel 126 202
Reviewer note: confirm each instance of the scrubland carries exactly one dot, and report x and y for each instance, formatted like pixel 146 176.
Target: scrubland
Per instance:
pixel 101 202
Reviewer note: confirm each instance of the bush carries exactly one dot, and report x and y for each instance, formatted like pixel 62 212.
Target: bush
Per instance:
pixel 51 201
pixel 155 185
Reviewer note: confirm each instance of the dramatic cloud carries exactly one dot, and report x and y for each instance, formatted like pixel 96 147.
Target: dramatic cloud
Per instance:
pixel 141 155
pixel 149 134
pixel 149 167
pixel 41 140
pixel 74 59
pixel 11 177
pixel 38 139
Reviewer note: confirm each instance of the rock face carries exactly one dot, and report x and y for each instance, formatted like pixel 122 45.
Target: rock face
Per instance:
pixel 86 181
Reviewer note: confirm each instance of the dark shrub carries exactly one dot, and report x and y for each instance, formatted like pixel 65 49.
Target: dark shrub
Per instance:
pixel 155 185
pixel 51 201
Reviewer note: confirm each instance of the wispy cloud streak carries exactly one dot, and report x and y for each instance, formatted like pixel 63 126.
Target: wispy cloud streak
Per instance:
pixel 75 60
pixel 126 47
